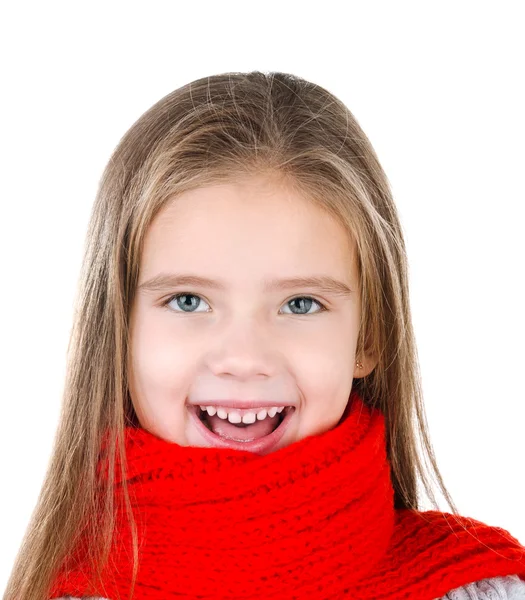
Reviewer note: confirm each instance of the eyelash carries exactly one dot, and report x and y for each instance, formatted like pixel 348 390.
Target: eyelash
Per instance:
pixel 323 308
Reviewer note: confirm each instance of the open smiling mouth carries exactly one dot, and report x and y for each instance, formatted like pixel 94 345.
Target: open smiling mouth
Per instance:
pixel 259 437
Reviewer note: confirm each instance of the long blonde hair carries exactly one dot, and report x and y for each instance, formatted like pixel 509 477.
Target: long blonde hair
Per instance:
pixel 211 131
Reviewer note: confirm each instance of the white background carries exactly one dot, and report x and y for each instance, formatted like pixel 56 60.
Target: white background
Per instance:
pixel 437 87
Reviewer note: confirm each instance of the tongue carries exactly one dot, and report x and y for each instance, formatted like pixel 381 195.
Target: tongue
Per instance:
pixel 225 429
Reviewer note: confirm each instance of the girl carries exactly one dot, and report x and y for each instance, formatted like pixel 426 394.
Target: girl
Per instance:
pixel 243 399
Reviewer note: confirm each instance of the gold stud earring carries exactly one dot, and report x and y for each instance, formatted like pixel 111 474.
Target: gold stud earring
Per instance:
pixel 359 365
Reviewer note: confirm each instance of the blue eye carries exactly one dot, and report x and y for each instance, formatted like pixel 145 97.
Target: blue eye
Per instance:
pixel 183 303
pixel 307 300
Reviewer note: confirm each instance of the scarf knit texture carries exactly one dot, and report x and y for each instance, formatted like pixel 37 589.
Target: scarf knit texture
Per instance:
pixel 314 519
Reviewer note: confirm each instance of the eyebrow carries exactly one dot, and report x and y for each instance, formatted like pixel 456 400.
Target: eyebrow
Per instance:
pixel 323 283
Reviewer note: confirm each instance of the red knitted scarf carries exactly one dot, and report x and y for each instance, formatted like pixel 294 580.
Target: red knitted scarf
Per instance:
pixel 314 520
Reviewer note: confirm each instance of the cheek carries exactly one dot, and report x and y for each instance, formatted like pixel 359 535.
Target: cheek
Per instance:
pixel 325 377
pixel 158 358
pixel 324 363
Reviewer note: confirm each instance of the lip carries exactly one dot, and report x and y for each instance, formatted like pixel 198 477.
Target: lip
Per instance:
pixel 261 446
pixel 241 404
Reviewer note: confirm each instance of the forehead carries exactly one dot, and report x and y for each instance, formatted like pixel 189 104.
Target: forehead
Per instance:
pixel 249 227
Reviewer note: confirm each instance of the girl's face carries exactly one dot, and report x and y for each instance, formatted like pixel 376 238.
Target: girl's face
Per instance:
pixel 244 339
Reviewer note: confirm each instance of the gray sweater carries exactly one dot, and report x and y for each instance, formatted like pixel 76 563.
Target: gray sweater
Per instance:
pixel 494 588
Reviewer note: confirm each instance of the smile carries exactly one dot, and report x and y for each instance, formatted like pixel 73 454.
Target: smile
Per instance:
pixel 240 437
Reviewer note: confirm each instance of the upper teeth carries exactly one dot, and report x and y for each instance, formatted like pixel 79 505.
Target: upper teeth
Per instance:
pixel 234 417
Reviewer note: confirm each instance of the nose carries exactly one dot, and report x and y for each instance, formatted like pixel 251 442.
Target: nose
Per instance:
pixel 244 352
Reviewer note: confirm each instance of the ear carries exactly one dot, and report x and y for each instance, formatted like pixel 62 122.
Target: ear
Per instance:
pixel 369 363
